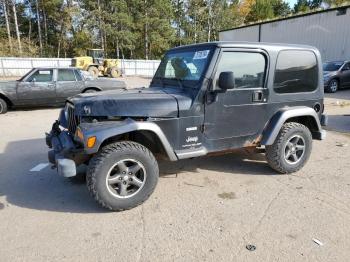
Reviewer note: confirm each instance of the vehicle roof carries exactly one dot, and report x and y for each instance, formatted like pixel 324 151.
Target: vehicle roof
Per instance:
pixel 243 44
pixel 55 67
pixel 339 61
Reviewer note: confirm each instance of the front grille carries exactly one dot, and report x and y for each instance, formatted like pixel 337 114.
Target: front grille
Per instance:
pixel 72 120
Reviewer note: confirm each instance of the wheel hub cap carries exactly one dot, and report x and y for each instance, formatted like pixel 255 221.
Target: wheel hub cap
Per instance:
pixel 126 178
pixel 294 149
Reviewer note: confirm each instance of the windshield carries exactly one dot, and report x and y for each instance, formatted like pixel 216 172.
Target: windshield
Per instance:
pixel 332 66
pixel 186 67
pixel 27 74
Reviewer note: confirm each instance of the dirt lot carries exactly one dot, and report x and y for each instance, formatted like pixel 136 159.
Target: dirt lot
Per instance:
pixel 205 209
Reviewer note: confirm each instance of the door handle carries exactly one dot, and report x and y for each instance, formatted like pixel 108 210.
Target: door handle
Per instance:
pixel 258 96
pixel 51 85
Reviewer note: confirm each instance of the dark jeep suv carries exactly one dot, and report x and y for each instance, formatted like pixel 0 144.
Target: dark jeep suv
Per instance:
pixel 204 98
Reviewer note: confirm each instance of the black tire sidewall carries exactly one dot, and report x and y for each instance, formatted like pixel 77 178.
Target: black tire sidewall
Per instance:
pixel 3 106
pixel 101 172
pixel 308 147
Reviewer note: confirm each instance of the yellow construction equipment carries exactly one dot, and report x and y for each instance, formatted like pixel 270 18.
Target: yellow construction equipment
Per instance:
pixel 97 65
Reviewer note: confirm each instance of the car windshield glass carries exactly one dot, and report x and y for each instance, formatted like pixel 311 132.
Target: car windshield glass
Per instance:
pixel 333 66
pixel 27 74
pixel 185 67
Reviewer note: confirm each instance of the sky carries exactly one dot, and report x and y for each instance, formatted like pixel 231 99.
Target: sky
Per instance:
pixel 291 2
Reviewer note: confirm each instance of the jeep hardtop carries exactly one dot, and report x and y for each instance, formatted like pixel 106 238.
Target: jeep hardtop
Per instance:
pixel 204 98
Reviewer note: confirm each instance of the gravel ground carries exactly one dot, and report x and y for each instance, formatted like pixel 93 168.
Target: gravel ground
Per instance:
pixel 205 209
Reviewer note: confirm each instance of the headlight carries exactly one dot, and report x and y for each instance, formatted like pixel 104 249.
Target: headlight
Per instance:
pixel 326 77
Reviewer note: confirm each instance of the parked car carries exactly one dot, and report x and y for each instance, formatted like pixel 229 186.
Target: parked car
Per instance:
pixel 336 75
pixel 204 99
pixel 50 86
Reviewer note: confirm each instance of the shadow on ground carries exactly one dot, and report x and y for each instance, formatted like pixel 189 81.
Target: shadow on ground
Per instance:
pixel 45 190
pixel 343 94
pixel 339 123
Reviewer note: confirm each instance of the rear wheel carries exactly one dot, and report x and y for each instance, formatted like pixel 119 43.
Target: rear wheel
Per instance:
pixel 291 149
pixel 122 175
pixel 333 86
pixel 93 70
pixel 3 106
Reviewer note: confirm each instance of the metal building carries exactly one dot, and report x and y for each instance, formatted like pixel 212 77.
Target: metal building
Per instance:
pixel 328 30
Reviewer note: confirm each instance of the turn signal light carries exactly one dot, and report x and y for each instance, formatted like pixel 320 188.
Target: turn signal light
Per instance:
pixel 91 141
pixel 80 134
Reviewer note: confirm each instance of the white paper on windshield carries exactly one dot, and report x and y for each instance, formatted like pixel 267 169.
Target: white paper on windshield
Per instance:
pixel 201 54
pixel 44 72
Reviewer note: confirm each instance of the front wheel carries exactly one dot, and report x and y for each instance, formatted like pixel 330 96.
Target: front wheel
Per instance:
pixel 291 149
pixel 3 106
pixel 115 72
pixel 122 175
pixel 93 70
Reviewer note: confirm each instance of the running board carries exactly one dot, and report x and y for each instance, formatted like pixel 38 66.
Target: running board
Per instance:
pixel 189 153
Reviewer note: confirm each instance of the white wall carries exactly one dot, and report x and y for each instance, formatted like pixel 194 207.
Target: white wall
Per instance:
pixel 14 66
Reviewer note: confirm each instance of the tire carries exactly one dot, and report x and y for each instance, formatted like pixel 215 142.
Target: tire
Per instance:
pixel 94 71
pixel 3 106
pixel 115 72
pixel 333 86
pixel 290 140
pixel 122 175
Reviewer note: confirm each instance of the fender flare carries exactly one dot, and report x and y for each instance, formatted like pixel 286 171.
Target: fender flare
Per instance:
pixel 91 88
pixel 111 129
pixel 275 124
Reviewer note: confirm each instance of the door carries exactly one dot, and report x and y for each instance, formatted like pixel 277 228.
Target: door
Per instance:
pixel 67 84
pixel 345 75
pixel 37 89
pixel 238 114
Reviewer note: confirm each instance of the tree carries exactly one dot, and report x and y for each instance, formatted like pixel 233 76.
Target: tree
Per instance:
pixel 4 5
pixel 16 26
pixel 302 6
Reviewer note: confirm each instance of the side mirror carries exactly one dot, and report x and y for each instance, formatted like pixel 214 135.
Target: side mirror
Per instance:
pixel 33 80
pixel 226 80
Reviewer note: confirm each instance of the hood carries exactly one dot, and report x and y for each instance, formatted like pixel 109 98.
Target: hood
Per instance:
pixel 8 86
pixel 329 73
pixel 150 102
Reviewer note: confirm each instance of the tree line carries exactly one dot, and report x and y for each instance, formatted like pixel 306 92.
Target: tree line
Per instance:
pixel 128 28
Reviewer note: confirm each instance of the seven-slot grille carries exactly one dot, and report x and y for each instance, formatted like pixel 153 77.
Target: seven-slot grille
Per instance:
pixel 72 120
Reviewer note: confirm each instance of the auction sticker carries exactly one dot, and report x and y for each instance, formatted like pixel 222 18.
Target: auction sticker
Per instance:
pixel 201 54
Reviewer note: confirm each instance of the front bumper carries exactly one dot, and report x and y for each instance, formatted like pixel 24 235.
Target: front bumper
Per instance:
pixel 64 154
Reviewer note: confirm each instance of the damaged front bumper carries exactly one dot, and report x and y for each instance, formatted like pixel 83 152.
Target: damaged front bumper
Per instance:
pixel 64 153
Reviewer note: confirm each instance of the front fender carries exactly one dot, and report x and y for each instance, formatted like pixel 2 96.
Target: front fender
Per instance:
pixel 105 130
pixel 274 126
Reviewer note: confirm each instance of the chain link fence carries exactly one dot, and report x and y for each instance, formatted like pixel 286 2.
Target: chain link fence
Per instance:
pixel 15 66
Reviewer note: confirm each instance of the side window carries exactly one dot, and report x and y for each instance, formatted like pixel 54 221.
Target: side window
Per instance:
pixel 41 76
pixel 248 68
pixel 65 75
pixel 296 71
pixel 78 75
pixel 346 67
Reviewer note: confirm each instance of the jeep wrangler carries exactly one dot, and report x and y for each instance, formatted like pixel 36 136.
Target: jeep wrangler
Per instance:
pixel 204 98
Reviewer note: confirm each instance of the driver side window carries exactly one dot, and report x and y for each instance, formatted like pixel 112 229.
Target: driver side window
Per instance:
pixel 248 68
pixel 41 76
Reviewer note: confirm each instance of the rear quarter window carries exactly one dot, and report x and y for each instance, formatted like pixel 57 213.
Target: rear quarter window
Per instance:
pixel 296 72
